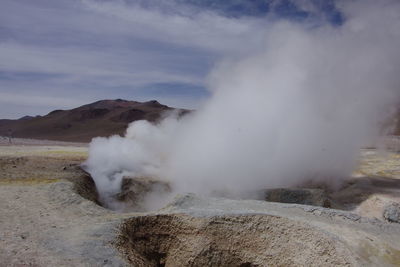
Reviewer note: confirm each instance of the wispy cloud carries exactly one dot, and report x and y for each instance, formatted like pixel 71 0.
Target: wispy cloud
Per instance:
pixel 205 30
pixel 116 48
pixel 34 100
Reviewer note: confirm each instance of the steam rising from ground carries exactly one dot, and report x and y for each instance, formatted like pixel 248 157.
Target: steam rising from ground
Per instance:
pixel 297 110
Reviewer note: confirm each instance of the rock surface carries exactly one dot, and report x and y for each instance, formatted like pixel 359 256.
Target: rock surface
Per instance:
pixel 391 212
pixel 313 197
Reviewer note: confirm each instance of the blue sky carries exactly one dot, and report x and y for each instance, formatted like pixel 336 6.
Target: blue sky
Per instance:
pixel 65 53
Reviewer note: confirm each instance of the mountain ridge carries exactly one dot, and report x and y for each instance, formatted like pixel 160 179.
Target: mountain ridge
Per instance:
pixel 81 124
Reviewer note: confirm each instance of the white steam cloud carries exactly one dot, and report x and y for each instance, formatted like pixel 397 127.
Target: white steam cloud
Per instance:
pixel 297 110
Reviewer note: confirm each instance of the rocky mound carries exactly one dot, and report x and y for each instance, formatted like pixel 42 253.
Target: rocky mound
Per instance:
pixel 197 231
pixel 194 231
pixel 228 240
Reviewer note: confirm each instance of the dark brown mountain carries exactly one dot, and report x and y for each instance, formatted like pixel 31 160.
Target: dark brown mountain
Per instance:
pixel 101 118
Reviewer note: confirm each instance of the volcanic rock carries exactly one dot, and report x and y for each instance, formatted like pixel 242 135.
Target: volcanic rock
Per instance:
pixel 391 212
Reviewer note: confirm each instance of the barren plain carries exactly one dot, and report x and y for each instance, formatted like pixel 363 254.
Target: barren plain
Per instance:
pixel 49 216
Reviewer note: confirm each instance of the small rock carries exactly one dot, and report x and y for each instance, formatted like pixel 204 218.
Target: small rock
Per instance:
pixel 24 235
pixel 391 212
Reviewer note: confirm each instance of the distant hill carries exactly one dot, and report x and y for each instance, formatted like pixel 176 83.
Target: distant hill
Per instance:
pixel 101 118
pixel 397 131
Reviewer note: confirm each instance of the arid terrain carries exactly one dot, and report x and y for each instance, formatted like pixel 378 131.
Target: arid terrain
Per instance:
pixel 172 133
pixel 50 217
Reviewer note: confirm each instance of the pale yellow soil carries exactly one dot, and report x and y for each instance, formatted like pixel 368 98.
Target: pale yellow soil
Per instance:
pixel 379 163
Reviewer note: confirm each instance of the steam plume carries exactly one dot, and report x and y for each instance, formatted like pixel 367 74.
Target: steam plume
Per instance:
pixel 298 109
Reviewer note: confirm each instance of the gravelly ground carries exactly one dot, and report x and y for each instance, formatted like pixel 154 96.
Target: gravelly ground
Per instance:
pixel 43 222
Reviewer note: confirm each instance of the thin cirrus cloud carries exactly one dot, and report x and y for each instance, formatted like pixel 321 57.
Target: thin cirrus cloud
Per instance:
pixel 204 30
pixel 85 50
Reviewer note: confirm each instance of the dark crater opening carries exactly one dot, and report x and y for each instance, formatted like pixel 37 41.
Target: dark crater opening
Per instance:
pixel 85 187
pixel 227 240
pixel 132 197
